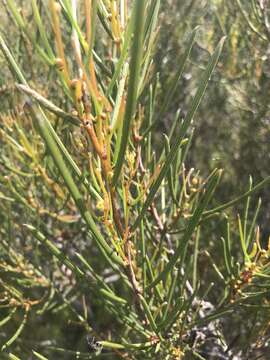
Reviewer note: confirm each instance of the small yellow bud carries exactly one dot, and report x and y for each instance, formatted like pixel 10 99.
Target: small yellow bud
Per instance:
pixel 100 205
pixel 195 181
pixel 131 158
pixel 57 7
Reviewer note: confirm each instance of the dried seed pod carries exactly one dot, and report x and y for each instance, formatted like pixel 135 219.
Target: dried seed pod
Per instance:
pixel 264 253
pixel 73 83
pixel 76 85
pixel 74 112
pixel 59 63
pixel 103 116
pixel 117 41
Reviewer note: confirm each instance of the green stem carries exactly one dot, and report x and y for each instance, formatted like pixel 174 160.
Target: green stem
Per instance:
pixel 73 189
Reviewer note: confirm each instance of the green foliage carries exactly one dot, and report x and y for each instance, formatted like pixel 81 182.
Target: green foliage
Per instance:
pixel 104 238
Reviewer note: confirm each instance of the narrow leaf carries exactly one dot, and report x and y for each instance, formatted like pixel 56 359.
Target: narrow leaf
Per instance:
pixel 192 224
pixel 178 139
pixel 135 63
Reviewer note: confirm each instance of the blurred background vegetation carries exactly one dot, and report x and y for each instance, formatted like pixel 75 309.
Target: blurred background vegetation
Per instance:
pixel 232 129
pixel 234 117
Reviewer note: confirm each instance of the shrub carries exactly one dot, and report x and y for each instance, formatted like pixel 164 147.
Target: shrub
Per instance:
pixel 104 230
